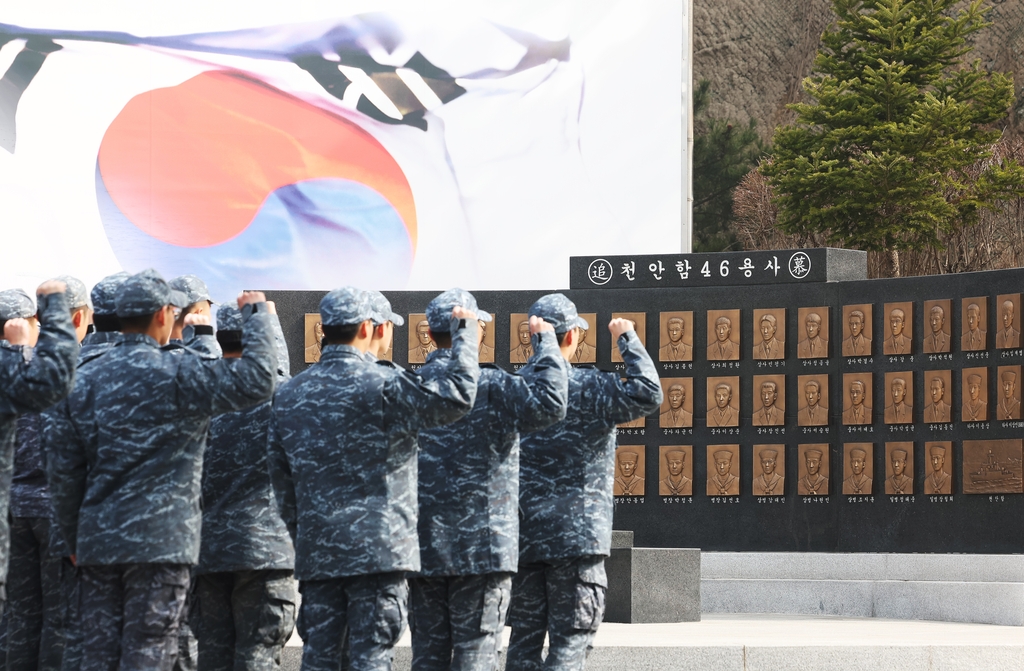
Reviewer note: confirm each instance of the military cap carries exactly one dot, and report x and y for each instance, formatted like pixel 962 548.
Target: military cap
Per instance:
pixel 104 294
pixel 814 454
pixel 382 306
pixel 558 311
pixel 229 318
pixel 345 306
pixel 630 453
pixel 145 293
pixel 939 450
pixel 682 452
pixel 974 379
pixel 768 454
pixel 1009 376
pixel 723 455
pixel 16 304
pixel 194 289
pixel 76 294
pixel 899 454
pixel 439 310
pixel 857 452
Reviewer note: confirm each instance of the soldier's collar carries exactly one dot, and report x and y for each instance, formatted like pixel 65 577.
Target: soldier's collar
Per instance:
pixel 330 352
pixel 440 353
pixel 137 339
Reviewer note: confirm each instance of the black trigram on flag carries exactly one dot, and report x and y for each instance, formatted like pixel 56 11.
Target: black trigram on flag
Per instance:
pixel 14 82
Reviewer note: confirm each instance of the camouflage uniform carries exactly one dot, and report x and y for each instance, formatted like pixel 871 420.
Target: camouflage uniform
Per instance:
pixel 125 475
pixel 565 498
pixel 343 464
pixel 468 495
pixel 244 586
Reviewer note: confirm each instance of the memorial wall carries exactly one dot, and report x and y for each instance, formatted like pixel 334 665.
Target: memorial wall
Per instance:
pixel 805 409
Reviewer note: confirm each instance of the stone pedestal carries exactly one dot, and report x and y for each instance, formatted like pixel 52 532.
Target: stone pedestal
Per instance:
pixel 651 584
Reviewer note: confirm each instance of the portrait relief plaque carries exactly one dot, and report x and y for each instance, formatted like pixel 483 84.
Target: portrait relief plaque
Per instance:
pixel 769 400
pixel 675 470
pixel 938 392
pixel 857 323
pixel 812 470
pixel 899 328
pixel 1008 333
pixel 723 335
pixel 899 468
pixel 723 470
pixel 813 335
pixel 676 336
pixel 1008 406
pixel 586 351
pixel 857 400
pixel 974 386
pixel 813 400
pixel 938 316
pixel 899 396
pixel 629 470
pixel 938 465
pixel 314 337
pixel 520 346
pixel 992 467
pixel 769 470
pixel 974 324
pixel 769 335
pixel 639 320
pixel 487 345
pixel 677 406
pixel 723 401
pixel 420 344
pixel 858 469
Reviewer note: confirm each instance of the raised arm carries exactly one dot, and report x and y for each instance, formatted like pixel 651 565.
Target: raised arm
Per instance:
pixel 198 335
pixel 639 392
pixel 284 368
pixel 538 396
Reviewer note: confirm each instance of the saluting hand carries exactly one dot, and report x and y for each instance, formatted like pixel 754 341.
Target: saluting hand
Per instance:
pixel 618 327
pixel 17 331
pixel 460 312
pixel 538 325
pixel 196 319
pixel 251 297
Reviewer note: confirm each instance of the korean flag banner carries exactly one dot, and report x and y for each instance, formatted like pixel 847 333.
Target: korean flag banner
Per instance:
pixel 310 145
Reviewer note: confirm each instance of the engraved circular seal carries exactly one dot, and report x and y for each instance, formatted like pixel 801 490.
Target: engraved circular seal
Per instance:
pixel 599 272
pixel 799 265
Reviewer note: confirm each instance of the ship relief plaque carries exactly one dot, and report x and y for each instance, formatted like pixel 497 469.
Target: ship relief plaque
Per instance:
pixel 992 466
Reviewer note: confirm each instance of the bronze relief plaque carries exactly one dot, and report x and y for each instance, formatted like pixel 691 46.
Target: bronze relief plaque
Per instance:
pixel 313 337
pixel 677 406
pixel 992 466
pixel 586 351
pixel 675 470
pixel 723 470
pixel 520 346
pixel 769 470
pixel 858 469
pixel 420 344
pixel 1008 406
pixel 769 400
pixel 938 316
pixel 1007 324
pixel 676 336
pixel 899 328
pixel 857 323
pixel 812 470
pixel 938 466
pixel 974 392
pixel 813 333
pixel 938 392
pixel 857 398
pixel 639 320
pixel 813 400
pixel 629 470
pixel 723 335
pixel 899 468
pixel 769 335
pixel 899 396
pixel 974 324
pixel 723 401
pixel 487 345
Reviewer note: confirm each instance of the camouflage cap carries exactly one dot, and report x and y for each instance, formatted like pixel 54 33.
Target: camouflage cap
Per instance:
pixel 229 318
pixel 345 306
pixel 16 304
pixel 145 293
pixel 439 310
pixel 558 311
pixel 194 289
pixel 382 308
pixel 104 294
pixel 76 294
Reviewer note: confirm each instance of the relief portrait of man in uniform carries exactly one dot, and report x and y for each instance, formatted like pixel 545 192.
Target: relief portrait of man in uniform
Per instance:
pixel 899 468
pixel 723 470
pixel 769 335
pixel 938 391
pixel 723 401
pixel 974 331
pixel 899 334
pixel 1008 333
pixel 814 335
pixel 420 344
pixel 676 470
pixel 857 398
pixel 937 315
pixel 677 406
pixel 723 335
pixel 858 469
pixel 769 470
pixel 770 401
pixel 857 329
pixel 676 335
pixel 813 470
pixel 813 401
pixel 629 470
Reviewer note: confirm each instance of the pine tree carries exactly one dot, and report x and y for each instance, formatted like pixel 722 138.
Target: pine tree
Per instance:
pixel 890 155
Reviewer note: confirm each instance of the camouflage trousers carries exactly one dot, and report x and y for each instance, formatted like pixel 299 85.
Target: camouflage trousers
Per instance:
pixel 243 619
pixel 130 615
pixel 35 627
pixel 564 600
pixel 70 593
pixel 456 622
pixel 188 644
pixel 370 609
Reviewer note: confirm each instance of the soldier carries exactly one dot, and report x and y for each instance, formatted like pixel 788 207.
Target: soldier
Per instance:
pixel 938 481
pixel 35 630
pixel 1009 406
pixel 384 324
pixel 343 468
pixel 975 408
pixel 245 592
pixel 468 498
pixel 813 482
pixel 565 498
pixel 125 474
